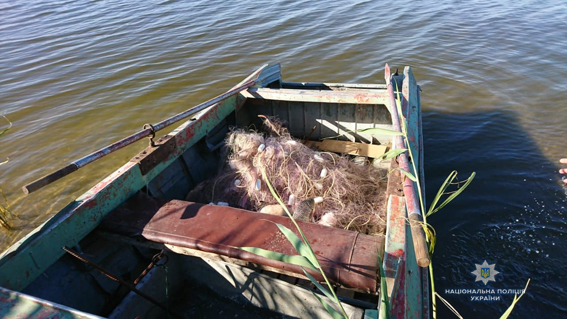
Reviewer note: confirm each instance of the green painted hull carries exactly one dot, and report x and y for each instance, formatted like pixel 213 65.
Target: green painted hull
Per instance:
pixel 22 265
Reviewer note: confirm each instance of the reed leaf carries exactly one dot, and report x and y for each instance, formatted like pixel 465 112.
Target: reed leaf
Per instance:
pixel 384 300
pixel 392 153
pixel 508 311
pixel 290 259
pixel 4 221
pixel 318 285
pixel 306 242
pixel 442 190
pixel 431 237
pixel 330 310
pixel 433 209
pixel 408 174
pixel 379 131
pixel 299 245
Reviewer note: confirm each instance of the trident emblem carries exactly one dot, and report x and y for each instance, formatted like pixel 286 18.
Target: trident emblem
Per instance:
pixel 485 272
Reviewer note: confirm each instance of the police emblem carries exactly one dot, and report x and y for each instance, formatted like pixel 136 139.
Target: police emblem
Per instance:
pixel 485 272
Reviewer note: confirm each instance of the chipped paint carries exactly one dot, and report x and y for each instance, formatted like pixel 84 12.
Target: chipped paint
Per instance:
pixel 74 222
pixel 32 255
pixel 80 217
pixel 18 305
pixel 408 284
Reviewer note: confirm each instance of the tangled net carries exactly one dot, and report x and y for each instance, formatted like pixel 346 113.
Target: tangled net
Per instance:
pixel 353 194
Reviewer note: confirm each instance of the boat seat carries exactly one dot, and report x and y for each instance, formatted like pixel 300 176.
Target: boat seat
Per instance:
pixel 348 258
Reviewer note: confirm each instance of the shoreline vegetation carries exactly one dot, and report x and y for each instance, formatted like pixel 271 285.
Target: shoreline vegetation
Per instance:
pixel 6 215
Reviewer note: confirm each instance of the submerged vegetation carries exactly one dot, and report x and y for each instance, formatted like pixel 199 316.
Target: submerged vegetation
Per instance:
pixel 6 215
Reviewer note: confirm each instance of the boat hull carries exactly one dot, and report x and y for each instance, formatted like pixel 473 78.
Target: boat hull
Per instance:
pixel 175 164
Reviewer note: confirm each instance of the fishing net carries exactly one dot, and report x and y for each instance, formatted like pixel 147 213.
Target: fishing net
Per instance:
pixel 353 195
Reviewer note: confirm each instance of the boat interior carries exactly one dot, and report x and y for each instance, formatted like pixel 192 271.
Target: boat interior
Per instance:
pixel 183 256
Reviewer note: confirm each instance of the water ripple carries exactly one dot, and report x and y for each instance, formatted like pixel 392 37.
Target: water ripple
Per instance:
pixel 75 76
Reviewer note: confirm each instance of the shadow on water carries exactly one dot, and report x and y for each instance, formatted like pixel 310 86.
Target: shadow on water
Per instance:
pixel 512 214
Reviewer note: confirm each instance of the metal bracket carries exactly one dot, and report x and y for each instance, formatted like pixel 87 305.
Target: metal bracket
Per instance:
pixel 153 155
pixel 152 134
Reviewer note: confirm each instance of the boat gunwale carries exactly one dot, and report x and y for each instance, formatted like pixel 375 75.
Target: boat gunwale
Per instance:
pixel 15 258
pixel 92 206
pixel 86 212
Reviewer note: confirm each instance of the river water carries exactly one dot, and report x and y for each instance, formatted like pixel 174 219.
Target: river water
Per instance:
pixel 75 76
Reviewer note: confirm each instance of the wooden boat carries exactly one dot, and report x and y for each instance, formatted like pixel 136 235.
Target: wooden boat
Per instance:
pixel 82 262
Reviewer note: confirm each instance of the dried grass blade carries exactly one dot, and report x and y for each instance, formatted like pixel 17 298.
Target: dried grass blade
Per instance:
pixel 449 306
pixel 516 299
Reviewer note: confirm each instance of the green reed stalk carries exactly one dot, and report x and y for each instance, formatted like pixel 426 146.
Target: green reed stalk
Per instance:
pixel 303 247
pixel 429 230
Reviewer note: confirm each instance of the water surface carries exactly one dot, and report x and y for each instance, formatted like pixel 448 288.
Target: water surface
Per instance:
pixel 75 76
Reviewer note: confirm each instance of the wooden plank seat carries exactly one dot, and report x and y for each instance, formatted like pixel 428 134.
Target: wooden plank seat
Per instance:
pixel 348 258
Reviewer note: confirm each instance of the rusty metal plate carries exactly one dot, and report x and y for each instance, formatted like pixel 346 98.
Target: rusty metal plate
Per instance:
pixel 153 155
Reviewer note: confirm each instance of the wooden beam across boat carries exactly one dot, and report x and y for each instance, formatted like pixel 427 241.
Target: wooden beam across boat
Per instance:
pixel 325 96
pixel 331 86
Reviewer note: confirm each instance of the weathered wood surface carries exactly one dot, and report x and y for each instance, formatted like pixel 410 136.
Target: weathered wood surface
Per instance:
pixel 264 291
pixel 342 120
pixel 326 96
pixel 395 249
pixel 408 284
pixel 411 113
pixel 410 107
pixel 410 191
pixel 331 86
pixel 351 148
pixel 403 276
pixel 412 289
pixel 268 74
pixel 212 257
